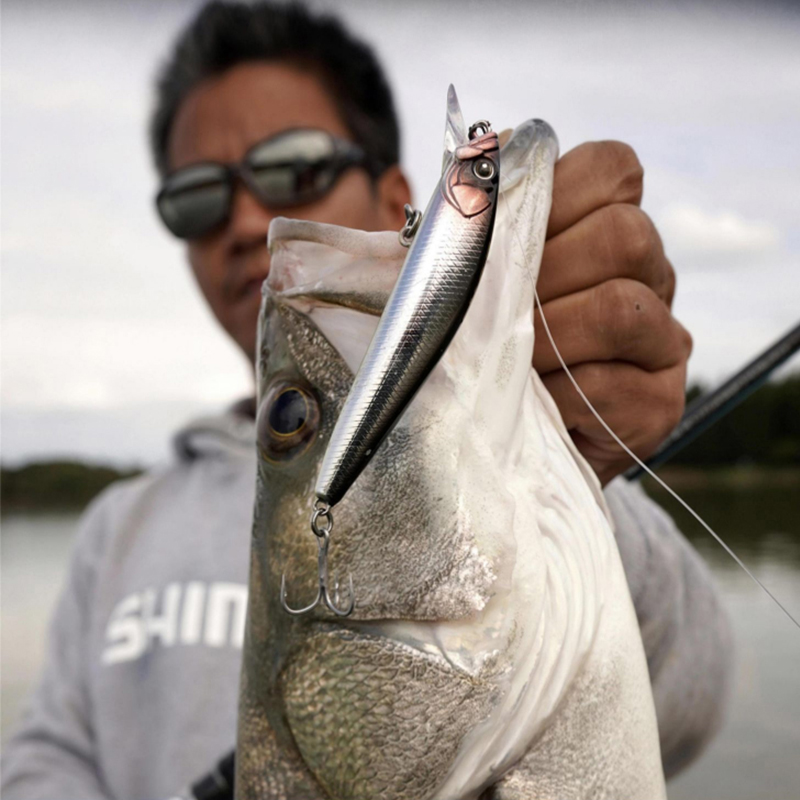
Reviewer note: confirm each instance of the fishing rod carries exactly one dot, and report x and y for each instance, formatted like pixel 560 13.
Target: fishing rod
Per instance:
pixel 217 784
pixel 703 412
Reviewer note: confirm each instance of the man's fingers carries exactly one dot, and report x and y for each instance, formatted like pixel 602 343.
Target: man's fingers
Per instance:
pixel 607 287
pixel 591 176
pixel 619 320
pixel 641 407
pixel 616 241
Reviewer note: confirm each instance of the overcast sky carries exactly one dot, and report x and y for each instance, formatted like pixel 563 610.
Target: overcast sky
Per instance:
pixel 106 344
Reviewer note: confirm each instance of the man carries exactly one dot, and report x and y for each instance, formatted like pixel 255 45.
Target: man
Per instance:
pixel 140 689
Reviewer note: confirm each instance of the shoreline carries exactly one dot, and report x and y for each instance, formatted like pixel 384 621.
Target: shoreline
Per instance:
pixel 751 476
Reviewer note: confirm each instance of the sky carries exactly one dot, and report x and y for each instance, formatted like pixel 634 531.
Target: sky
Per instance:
pixel 107 346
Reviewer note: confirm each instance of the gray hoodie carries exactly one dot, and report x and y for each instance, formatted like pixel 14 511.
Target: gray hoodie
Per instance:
pixel 139 692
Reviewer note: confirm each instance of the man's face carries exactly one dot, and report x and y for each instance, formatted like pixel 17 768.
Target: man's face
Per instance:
pixel 219 121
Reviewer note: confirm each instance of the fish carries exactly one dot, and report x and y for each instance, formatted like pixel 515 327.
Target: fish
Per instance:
pixel 493 650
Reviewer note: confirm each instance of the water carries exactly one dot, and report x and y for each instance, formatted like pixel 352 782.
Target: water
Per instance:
pixel 757 754
pixel 34 553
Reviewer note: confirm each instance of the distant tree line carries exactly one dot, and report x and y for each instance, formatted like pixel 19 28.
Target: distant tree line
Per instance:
pixel 763 430
pixel 55 485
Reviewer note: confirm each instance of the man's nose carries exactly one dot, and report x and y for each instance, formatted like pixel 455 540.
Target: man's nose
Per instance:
pixel 249 220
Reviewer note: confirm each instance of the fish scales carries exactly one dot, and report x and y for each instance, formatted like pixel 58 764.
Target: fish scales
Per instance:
pixel 493 650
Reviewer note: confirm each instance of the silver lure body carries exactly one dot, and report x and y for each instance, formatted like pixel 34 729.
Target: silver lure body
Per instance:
pixel 429 300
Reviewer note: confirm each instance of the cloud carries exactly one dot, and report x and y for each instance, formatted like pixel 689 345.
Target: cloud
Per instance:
pixel 52 364
pixel 712 239
pixel 54 93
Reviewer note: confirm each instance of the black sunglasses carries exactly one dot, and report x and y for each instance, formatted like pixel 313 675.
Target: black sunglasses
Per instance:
pixel 290 169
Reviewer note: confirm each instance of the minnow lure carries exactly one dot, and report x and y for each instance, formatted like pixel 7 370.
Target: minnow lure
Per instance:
pixel 448 245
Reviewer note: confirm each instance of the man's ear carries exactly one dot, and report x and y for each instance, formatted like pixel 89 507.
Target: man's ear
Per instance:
pixel 393 193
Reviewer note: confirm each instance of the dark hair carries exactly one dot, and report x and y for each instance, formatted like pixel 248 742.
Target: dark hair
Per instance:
pixel 226 34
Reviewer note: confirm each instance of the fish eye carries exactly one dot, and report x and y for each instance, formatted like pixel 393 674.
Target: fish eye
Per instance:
pixel 288 413
pixel 287 420
pixel 483 169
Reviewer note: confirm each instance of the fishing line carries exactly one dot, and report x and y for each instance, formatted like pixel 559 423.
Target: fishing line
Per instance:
pixel 630 452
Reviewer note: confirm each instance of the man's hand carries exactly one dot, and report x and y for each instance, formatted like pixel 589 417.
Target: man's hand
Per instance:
pixel 606 288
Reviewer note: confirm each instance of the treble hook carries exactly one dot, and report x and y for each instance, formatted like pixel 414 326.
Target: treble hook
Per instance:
pixel 323 534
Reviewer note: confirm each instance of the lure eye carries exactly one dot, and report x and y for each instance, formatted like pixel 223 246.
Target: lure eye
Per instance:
pixel 483 169
pixel 287 421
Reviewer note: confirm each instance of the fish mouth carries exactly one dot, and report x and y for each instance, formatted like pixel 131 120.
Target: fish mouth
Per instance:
pixel 296 248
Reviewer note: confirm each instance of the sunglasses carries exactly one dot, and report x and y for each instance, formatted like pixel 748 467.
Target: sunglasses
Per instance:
pixel 290 169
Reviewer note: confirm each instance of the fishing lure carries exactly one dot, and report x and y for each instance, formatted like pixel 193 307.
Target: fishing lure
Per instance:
pixel 448 245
